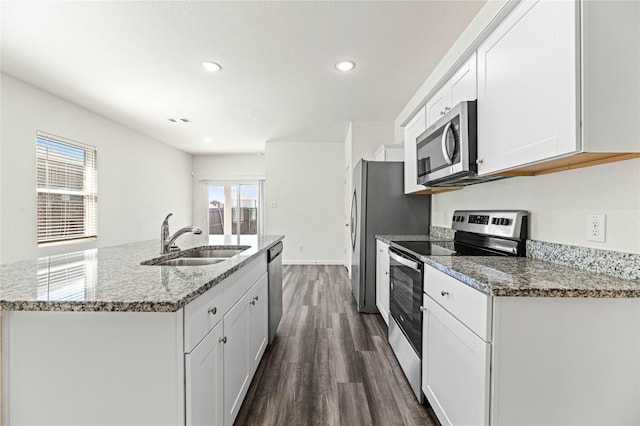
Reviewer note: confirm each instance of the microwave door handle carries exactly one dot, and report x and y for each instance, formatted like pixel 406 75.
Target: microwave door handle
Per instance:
pixel 445 153
pixel 406 262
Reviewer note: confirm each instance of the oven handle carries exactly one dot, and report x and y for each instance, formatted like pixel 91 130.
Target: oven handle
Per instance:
pixel 403 260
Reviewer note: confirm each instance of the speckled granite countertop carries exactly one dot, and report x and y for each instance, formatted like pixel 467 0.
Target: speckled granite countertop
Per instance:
pixel 389 238
pixel 112 278
pixel 525 276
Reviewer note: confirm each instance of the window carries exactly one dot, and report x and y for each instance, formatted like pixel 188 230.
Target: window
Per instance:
pixel 67 188
pixel 234 209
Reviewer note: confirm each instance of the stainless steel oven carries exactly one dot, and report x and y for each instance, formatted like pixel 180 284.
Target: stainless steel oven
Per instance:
pixel 478 233
pixel 405 324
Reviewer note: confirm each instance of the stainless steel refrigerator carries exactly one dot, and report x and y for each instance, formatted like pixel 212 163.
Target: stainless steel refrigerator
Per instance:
pixel 380 207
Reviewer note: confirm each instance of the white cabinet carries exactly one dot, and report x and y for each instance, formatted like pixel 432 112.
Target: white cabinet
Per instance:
pixel 390 152
pixel 460 87
pixel 204 384
pixel 226 334
pixel 245 340
pixel 382 279
pixel 413 129
pixel 528 87
pixel 456 350
pixel 455 369
pixel 497 360
pixel 258 322
pixel 237 359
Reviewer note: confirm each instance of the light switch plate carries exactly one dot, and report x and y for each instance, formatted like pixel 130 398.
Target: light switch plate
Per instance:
pixel 596 227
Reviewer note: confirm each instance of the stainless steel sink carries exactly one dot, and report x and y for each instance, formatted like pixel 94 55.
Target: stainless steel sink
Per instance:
pixel 216 253
pixel 207 255
pixel 190 261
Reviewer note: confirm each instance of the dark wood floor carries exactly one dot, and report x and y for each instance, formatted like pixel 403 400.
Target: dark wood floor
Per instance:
pixel 328 365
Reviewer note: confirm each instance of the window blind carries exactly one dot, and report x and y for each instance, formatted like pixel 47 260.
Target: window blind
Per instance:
pixel 66 181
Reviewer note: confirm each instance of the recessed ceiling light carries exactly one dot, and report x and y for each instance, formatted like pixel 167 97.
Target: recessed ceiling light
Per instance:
pixel 210 66
pixel 208 139
pixel 345 65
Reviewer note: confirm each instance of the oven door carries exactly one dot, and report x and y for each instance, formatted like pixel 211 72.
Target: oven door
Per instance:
pixel 405 296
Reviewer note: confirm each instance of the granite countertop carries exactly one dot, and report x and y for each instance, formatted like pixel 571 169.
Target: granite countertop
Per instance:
pixel 533 277
pixel 390 238
pixel 112 278
pixel 523 276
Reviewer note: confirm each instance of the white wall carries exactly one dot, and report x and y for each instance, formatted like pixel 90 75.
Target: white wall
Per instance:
pixel 228 167
pixel 559 203
pixel 366 138
pixel 139 178
pixel 305 179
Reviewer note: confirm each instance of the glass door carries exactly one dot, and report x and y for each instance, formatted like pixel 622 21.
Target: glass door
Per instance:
pixel 233 208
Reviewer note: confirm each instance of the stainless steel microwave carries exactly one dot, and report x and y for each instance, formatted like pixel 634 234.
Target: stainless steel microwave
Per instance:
pixel 447 150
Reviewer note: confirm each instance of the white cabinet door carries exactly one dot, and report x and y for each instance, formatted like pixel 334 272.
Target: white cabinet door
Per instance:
pixel 411 132
pixel 237 362
pixel 204 380
pixel 463 85
pixel 258 322
pixel 460 87
pixel 435 107
pixel 528 87
pixel 455 369
pixel 382 279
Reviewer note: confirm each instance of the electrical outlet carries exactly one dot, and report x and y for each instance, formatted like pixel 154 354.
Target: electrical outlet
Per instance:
pixel 596 227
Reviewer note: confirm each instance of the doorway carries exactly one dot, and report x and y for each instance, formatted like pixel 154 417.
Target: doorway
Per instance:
pixel 234 208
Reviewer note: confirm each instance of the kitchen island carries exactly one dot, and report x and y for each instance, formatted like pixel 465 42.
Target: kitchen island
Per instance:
pixel 95 337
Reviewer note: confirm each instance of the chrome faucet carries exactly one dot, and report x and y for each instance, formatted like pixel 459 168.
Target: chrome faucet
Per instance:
pixel 167 242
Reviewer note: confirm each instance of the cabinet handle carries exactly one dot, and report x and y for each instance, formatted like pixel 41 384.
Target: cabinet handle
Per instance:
pixel 446 109
pixel 213 310
pixel 444 293
pixel 253 302
pixel 441 112
pixel 479 161
pixel 423 309
pixel 386 273
pixel 223 340
pixel 257 298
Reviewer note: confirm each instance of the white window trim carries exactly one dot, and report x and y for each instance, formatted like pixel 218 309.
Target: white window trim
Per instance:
pixel 90 190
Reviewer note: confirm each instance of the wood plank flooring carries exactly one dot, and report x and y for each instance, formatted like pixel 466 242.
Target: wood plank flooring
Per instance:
pixel 328 365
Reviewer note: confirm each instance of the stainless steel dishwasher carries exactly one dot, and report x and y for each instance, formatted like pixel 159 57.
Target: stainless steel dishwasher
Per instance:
pixel 274 268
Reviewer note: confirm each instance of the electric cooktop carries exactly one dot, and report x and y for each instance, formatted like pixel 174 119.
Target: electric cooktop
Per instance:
pixel 478 233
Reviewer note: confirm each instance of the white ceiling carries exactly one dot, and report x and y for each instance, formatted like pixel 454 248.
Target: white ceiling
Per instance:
pixel 138 63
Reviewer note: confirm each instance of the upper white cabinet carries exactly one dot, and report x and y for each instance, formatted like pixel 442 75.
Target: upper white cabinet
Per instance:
pixel 412 130
pixel 556 83
pixel 558 87
pixel 461 87
pixel 390 152
pixel 528 87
